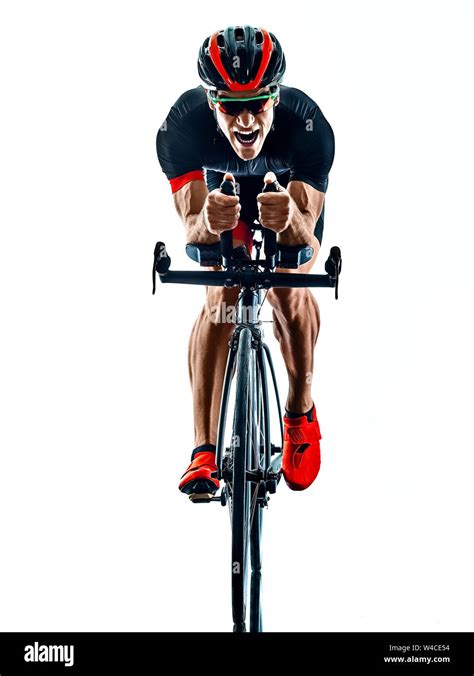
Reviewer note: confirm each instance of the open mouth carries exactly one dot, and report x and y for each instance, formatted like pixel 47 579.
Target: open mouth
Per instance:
pixel 246 138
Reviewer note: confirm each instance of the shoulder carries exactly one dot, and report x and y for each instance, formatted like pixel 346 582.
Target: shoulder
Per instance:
pixel 192 102
pixel 189 117
pixel 307 137
pixel 300 112
pixel 297 104
pixel 182 139
pixel 188 122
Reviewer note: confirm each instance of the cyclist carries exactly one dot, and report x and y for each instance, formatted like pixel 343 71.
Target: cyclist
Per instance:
pixel 243 124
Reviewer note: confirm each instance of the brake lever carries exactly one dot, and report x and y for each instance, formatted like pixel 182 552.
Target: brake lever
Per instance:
pixel 161 262
pixel 333 267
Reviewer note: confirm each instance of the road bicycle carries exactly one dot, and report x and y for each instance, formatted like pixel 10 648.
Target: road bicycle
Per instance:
pixel 248 463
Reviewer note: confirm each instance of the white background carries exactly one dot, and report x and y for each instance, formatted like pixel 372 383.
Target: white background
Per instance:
pixel 95 404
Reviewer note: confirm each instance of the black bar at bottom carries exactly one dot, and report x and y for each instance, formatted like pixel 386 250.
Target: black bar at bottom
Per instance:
pixel 324 653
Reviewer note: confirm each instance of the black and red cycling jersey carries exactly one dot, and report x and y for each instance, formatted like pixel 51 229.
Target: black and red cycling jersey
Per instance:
pixel 299 147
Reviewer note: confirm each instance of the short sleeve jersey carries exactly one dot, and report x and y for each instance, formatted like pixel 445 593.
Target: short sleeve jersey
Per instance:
pixel 299 147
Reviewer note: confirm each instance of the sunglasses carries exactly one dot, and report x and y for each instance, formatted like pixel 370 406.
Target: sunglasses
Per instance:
pixel 254 104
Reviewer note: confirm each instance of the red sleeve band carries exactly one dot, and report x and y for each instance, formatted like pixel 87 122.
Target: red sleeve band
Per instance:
pixel 179 181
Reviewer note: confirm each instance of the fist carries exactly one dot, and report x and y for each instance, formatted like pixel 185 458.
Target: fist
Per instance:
pixel 221 212
pixel 274 208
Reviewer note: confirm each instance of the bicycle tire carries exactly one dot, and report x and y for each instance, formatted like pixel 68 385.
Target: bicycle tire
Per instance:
pixel 256 524
pixel 256 574
pixel 240 491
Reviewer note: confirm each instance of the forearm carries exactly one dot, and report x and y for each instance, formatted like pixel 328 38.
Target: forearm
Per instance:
pixel 306 205
pixel 196 229
pixel 301 227
pixel 190 202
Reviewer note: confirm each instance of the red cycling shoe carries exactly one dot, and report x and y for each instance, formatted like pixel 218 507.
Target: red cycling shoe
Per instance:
pixel 198 477
pixel 301 454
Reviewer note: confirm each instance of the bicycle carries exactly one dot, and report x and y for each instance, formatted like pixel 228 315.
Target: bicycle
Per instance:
pixel 250 464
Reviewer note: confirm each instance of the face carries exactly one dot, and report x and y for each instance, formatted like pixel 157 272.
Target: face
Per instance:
pixel 246 131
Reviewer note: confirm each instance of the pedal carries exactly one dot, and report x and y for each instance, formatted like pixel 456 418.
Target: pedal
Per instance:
pixel 201 497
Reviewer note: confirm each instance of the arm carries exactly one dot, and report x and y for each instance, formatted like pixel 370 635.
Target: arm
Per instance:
pixel 294 212
pixel 306 204
pixel 205 214
pixel 291 213
pixel 181 146
pixel 189 202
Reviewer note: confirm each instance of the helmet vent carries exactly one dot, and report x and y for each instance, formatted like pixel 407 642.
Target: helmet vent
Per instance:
pixel 239 34
pixel 258 37
pixel 220 40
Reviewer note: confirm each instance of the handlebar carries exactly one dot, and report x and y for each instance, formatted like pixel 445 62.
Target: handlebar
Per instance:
pixel 248 275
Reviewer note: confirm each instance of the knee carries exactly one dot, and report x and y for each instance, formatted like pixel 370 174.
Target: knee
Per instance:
pixel 295 312
pixel 290 304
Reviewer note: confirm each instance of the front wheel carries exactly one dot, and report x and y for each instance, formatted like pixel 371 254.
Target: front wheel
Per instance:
pixel 243 494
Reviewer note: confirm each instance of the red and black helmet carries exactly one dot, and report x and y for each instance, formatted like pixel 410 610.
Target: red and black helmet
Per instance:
pixel 241 58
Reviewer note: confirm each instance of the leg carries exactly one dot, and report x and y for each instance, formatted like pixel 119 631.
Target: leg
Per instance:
pixel 296 327
pixel 208 348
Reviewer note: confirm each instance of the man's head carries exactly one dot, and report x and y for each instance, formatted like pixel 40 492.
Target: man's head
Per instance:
pixel 245 120
pixel 241 67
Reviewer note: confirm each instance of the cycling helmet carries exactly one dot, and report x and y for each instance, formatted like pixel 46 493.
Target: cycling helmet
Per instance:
pixel 241 58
